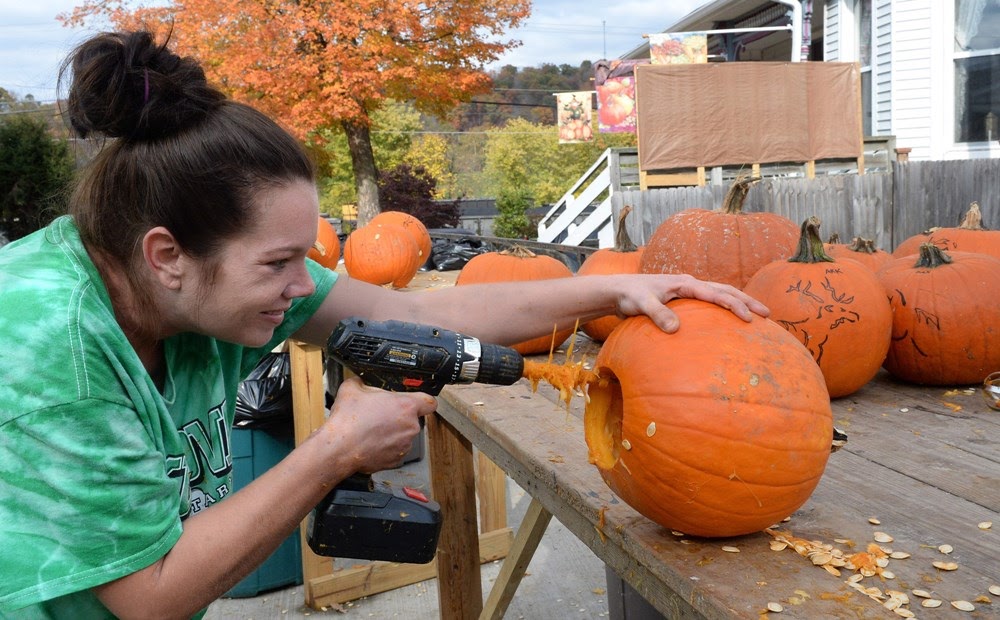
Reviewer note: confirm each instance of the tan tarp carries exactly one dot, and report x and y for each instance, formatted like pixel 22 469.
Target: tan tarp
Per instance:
pixel 720 114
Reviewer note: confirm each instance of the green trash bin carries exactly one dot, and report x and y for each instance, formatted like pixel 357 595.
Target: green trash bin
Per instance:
pixel 255 450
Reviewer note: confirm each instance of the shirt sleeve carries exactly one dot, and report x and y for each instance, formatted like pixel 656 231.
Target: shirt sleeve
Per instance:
pixel 84 488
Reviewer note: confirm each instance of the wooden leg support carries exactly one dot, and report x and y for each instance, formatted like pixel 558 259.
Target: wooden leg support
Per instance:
pixel 453 485
pixel 525 542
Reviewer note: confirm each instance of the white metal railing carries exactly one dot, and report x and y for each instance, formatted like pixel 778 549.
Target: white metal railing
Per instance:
pixel 585 210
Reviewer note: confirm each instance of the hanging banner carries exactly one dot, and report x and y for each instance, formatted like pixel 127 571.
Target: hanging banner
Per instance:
pixel 616 105
pixel 678 48
pixel 575 116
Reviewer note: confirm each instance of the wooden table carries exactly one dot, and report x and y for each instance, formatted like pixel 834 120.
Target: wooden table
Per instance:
pixel 924 462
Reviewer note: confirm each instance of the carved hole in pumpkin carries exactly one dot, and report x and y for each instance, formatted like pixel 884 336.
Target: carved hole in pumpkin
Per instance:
pixel 603 420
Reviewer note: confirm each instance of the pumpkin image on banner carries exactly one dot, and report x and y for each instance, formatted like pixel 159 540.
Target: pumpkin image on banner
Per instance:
pixel 326 250
pixel 968 236
pixel 836 308
pixel 724 245
pixel 517 264
pixel 381 254
pixel 946 319
pixel 721 429
pixel 624 257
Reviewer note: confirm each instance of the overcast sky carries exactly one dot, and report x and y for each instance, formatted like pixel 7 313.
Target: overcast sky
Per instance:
pixel 33 43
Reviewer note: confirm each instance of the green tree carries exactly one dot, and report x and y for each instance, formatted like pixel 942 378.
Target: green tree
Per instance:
pixel 512 220
pixel 35 171
pixel 430 151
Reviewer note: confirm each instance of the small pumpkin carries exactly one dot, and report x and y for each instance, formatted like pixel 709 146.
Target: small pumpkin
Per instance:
pixel 381 254
pixel 836 308
pixel 968 236
pixel 724 245
pixel 624 257
pixel 517 264
pixel 946 319
pixel 326 250
pixel 860 249
pixel 721 429
pixel 412 225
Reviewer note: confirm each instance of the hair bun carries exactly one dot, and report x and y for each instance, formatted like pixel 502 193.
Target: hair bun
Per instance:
pixel 125 85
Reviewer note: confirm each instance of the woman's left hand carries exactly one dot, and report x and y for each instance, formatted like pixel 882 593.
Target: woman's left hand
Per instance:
pixel 647 294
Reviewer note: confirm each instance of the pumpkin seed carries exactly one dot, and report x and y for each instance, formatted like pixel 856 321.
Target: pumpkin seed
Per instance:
pixel 676 533
pixel 945 565
pixel 899 555
pixel 775 607
pixel 922 593
pixel 892 604
pixel 626 444
pixel 874 521
pixel 729 549
pixel 651 429
pixel 882 562
pixel 985 525
pixel 856 577
pixel 888 574
pixel 831 569
pixel 930 603
pixel 946 548
pixel 995 590
pixel 963 605
pixel 882 537
pixel 905 613
pixel 777 545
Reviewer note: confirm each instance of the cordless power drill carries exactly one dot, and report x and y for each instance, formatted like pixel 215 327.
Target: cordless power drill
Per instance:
pixel 356 519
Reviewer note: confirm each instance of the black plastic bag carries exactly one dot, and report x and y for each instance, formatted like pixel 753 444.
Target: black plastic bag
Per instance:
pixel 451 254
pixel 265 396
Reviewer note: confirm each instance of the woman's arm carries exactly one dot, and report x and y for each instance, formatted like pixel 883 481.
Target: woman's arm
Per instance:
pixel 369 430
pixel 509 312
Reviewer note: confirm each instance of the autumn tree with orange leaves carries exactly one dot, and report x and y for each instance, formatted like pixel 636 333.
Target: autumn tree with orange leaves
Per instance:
pixel 322 64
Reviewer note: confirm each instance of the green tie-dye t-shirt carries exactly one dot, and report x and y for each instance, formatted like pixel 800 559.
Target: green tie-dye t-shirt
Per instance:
pixel 98 468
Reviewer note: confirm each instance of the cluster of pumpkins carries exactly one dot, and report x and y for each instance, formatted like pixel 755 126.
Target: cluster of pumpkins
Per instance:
pixel 725 427
pixel 388 251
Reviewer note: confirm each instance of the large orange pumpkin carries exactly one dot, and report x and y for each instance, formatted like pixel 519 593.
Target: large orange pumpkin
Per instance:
pixel 836 308
pixel 721 429
pixel 517 264
pixel 411 225
pixel 860 249
pixel 724 245
pixel 946 319
pixel 326 250
pixel 624 257
pixel 968 236
pixel 381 254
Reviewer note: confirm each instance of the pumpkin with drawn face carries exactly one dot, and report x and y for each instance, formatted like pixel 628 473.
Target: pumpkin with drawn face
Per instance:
pixel 836 308
pixel 946 319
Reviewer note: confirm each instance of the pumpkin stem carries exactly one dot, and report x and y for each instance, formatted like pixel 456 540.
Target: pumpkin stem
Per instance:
pixel 973 219
pixel 860 244
pixel 518 251
pixel 623 243
pixel 931 256
pixel 834 238
pixel 810 248
pixel 737 194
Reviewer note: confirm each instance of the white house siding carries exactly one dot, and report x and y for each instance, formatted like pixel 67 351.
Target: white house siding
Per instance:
pixel 913 103
pixel 882 68
pixel 831 30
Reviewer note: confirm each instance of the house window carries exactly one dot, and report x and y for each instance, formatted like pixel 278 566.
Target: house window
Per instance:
pixel 977 70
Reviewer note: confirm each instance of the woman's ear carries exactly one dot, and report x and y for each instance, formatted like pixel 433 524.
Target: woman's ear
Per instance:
pixel 164 256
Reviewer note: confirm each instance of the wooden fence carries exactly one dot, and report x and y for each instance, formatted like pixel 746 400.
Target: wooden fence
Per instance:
pixel 888 207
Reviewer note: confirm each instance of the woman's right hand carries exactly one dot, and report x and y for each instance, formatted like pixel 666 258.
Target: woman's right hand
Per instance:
pixel 373 428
